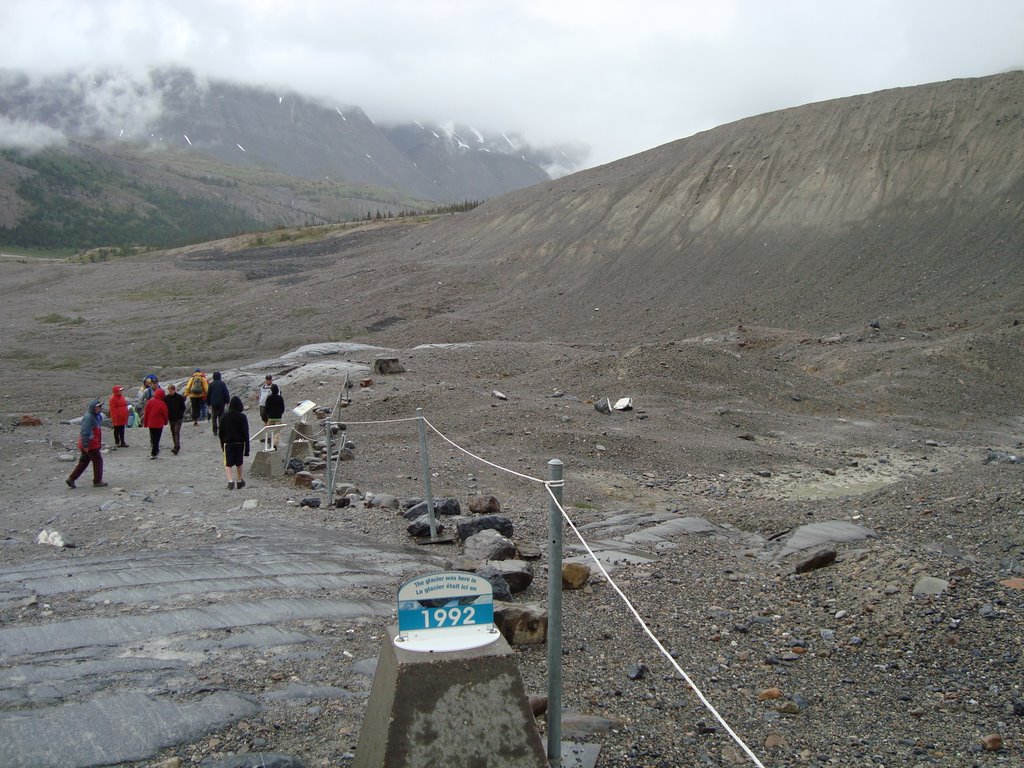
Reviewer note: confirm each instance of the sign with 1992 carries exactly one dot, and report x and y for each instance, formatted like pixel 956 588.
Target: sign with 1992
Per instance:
pixel 445 600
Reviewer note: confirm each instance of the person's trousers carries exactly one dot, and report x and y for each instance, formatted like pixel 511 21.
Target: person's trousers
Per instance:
pixel 119 435
pixel 176 433
pixel 197 406
pixel 93 457
pixel 154 440
pixel 216 411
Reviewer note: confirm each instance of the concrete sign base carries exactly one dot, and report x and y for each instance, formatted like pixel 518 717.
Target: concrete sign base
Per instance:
pixel 459 709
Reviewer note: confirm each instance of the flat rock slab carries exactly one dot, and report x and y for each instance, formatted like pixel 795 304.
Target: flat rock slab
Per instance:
pixel 113 729
pixel 78 633
pixel 123 671
pixel 828 532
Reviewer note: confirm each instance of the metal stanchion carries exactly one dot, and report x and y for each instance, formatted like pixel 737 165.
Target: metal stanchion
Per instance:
pixel 555 475
pixel 425 462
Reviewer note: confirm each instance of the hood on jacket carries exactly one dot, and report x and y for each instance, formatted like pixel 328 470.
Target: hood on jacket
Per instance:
pixel 236 404
pixel 115 390
pixel 90 421
pixel 158 394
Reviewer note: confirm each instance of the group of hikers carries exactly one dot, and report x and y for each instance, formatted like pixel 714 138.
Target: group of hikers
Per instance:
pixel 155 408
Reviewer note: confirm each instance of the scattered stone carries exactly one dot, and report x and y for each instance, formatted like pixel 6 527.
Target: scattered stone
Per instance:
pixel 1001 457
pixel 538 704
pixel 387 366
pixel 442 507
pixel 497 581
pixel 499 523
pixel 930 585
pixel 529 551
pixel 382 501
pixel 498 395
pixel 575 575
pixel 420 527
pixel 992 742
pixel 518 574
pixel 256 760
pixel 790 708
pixel 1014 583
pixel 54 538
pixel 775 741
pixel 521 623
pixel 817 559
pixel 489 545
pixel 637 671
pixel 27 420
pixel 484 505
pixel 310 501
pixel 769 694
pixel 603 405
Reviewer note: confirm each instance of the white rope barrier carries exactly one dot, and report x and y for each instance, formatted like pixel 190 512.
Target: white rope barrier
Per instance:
pixel 548 485
pixel 647 630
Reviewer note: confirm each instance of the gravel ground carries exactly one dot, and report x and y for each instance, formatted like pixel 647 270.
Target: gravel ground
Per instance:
pixel 840 666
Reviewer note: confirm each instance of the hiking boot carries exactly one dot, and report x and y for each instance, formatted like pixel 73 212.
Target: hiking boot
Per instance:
pixel 175 451
pixel 231 486
pixel 100 484
pixel 69 483
pixel 240 484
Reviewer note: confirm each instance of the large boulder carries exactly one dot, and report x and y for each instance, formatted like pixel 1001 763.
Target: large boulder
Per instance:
pixel 575 575
pixel 521 623
pixel 484 505
pixel 499 523
pixel 497 581
pixel 489 545
pixel 517 573
pixel 447 507
pixel 420 527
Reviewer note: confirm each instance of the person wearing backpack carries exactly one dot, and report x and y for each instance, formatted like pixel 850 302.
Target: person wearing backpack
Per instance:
pixel 195 389
pixel 217 397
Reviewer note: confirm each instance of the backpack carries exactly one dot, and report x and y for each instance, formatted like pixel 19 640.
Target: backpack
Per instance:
pixel 196 388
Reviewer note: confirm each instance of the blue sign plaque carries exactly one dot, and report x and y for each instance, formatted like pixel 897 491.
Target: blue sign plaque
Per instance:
pixel 449 610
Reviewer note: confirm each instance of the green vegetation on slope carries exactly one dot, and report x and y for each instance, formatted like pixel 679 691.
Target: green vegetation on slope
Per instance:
pixel 76 203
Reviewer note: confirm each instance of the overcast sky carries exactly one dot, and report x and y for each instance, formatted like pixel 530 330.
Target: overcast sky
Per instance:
pixel 620 76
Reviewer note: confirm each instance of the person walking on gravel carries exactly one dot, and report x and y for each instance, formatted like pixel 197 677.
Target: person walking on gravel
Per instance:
pixel 154 418
pixel 175 415
pixel 275 413
pixel 217 397
pixel 118 410
pixel 268 382
pixel 90 438
pixel 195 389
pixel 234 441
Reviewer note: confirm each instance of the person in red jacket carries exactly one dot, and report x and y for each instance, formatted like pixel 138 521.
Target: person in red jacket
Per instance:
pixel 118 409
pixel 89 441
pixel 154 418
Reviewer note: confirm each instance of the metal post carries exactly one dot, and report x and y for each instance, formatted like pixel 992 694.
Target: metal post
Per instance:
pixel 555 614
pixel 330 473
pixel 425 461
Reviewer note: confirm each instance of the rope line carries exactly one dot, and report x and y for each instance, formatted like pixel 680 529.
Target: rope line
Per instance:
pixel 480 458
pixel 643 625
pixel 548 486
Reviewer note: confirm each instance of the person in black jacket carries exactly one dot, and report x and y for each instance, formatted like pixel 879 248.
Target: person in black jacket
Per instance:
pixel 217 397
pixel 175 403
pixel 275 412
pixel 234 441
